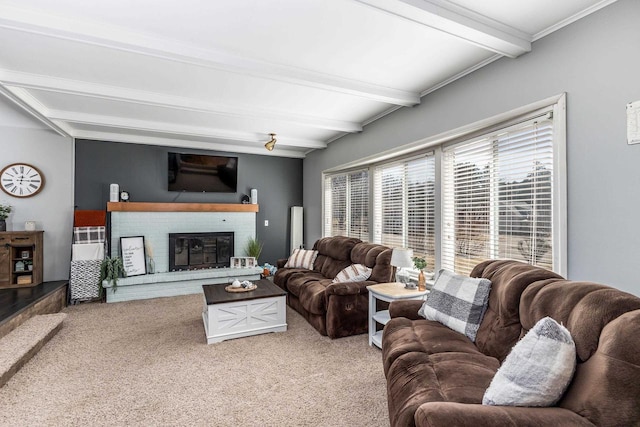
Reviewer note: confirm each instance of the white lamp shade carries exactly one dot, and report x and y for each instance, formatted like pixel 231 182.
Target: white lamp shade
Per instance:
pixel 401 258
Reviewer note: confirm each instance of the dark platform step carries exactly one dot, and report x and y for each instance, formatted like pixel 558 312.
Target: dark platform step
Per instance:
pixel 17 305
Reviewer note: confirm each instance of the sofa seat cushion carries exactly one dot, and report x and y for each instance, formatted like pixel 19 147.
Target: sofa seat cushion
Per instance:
pixel 402 336
pixel 416 378
pixel 282 276
pixel 310 290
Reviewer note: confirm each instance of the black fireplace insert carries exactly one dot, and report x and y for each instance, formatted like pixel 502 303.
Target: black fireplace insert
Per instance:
pixel 195 251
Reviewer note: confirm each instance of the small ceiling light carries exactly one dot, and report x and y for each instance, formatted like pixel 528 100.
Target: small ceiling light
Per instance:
pixel 271 143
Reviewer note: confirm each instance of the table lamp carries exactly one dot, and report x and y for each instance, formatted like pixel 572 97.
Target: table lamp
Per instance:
pixel 401 259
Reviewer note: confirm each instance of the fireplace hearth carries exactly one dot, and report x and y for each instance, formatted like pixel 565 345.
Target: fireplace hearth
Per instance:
pixel 195 251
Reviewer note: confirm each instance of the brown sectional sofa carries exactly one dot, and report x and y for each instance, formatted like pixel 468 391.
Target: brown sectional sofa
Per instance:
pixel 437 377
pixel 335 309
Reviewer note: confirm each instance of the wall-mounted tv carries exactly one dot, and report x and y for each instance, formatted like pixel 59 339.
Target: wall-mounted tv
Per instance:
pixel 202 173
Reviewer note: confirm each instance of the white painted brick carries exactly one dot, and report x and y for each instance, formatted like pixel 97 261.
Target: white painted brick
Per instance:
pixel 156 226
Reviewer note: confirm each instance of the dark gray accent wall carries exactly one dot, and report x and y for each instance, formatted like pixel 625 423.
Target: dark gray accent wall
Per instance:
pixel 142 171
pixel 594 61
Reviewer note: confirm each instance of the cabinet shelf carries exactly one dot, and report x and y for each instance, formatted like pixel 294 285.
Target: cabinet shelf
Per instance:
pixel 14 246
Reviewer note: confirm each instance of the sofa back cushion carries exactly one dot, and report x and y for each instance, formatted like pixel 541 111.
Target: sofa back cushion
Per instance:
pixel 604 323
pixel 334 254
pixel 500 328
pixel 606 388
pixel 377 257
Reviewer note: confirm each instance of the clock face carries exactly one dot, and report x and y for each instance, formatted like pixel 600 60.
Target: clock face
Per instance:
pixel 124 196
pixel 21 180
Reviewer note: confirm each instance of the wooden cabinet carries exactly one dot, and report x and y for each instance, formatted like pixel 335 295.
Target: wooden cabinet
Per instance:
pixel 20 258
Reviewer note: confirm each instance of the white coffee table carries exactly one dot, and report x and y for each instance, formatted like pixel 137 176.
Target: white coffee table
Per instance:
pixel 386 292
pixel 229 315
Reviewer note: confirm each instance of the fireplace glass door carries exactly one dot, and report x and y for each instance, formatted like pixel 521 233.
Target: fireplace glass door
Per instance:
pixel 191 251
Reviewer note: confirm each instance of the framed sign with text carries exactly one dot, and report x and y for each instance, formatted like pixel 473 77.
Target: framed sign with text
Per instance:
pixel 134 257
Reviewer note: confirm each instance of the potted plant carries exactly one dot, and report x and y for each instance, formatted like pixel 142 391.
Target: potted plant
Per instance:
pixel 111 269
pixel 420 264
pixel 253 248
pixel 5 210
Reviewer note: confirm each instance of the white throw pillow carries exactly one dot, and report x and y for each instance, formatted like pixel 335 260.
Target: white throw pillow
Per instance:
pixel 353 273
pixel 458 302
pixel 302 258
pixel 538 369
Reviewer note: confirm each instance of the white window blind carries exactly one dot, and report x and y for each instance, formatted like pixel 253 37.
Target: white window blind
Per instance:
pixel 497 197
pixel 346 204
pixel 404 205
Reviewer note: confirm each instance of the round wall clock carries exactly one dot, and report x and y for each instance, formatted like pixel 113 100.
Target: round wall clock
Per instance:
pixel 21 180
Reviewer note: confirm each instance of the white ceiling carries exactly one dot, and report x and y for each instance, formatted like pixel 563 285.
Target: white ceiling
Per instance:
pixel 223 74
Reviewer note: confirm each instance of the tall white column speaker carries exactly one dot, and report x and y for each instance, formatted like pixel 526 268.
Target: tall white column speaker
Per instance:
pixel 297 241
pixel 254 196
pixel 114 193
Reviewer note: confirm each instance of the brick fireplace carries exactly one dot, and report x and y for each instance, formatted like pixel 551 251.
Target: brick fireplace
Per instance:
pixel 231 225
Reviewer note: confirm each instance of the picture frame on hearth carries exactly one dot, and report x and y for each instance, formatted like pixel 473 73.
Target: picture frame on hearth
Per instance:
pixel 134 259
pixel 243 262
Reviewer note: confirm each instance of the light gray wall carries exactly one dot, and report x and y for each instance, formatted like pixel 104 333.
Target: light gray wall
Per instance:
pixel 596 62
pixel 24 139
pixel 142 170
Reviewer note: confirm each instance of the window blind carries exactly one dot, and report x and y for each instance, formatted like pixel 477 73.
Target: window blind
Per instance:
pixel 404 205
pixel 497 197
pixel 346 204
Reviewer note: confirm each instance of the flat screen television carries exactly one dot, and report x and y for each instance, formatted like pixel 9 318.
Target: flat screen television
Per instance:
pixel 202 173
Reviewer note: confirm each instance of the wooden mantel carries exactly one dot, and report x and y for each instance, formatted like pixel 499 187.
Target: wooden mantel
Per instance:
pixel 180 207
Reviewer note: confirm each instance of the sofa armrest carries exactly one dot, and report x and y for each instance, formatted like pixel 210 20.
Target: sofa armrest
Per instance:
pixel 449 414
pixel 405 308
pixel 281 262
pixel 348 288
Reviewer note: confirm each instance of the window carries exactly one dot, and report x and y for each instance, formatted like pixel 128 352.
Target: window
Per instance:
pixel 494 189
pixel 497 197
pixel 404 205
pixel 346 204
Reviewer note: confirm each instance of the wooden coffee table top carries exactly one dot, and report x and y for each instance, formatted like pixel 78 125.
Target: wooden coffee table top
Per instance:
pixel 215 294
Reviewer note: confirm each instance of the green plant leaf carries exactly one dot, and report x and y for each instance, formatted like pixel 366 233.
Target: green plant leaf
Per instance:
pixel 253 247
pixel 111 269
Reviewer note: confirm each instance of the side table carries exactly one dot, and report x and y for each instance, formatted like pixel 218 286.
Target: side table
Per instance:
pixel 386 292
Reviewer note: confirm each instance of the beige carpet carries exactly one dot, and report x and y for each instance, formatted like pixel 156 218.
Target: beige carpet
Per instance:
pixel 147 363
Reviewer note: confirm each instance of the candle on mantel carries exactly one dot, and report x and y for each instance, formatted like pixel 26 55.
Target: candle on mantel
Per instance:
pixel 151 264
pixel 149 249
